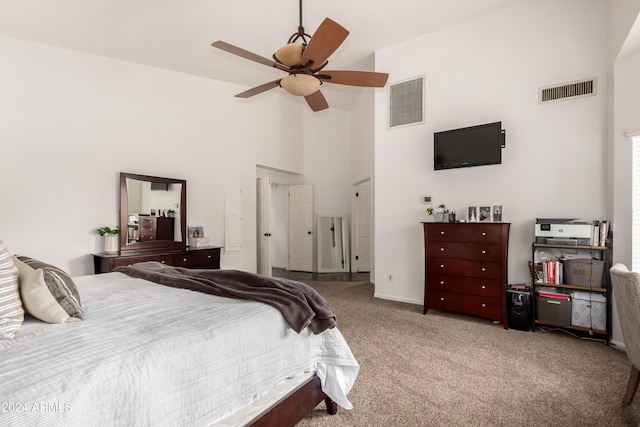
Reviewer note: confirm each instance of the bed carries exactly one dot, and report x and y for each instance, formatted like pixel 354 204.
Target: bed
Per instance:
pixel 149 354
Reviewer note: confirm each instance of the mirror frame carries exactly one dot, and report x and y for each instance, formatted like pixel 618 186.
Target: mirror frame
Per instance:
pixel 345 245
pixel 124 215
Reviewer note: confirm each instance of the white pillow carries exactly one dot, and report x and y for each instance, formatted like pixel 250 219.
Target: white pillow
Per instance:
pixel 11 311
pixel 37 298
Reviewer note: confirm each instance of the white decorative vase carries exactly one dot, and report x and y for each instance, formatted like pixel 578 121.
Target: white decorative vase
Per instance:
pixel 438 217
pixel 111 243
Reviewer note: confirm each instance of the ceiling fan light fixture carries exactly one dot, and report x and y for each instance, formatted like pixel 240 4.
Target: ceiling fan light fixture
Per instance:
pixel 300 84
pixel 290 54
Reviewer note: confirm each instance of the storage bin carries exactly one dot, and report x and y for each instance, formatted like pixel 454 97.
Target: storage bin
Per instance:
pixel 553 310
pixel 584 272
pixel 589 310
pixel 198 242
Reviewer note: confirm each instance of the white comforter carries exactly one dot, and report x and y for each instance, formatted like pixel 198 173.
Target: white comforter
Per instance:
pixel 150 355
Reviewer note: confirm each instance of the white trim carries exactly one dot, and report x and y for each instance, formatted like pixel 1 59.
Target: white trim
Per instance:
pixel 632 133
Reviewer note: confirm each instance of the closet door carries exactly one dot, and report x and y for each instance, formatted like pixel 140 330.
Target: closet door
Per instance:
pixel 301 227
pixel 264 225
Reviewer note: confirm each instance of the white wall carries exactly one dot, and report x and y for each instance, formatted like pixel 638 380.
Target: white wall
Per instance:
pixel 626 118
pixel 362 166
pixel 71 121
pixel 490 69
pixel 625 106
pixel 327 159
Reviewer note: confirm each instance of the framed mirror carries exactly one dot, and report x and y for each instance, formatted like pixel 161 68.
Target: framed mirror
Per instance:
pixel 332 233
pixel 153 213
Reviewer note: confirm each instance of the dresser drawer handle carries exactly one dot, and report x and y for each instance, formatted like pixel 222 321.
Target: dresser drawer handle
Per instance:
pixel 442 233
pixel 209 256
pixel 484 252
pixel 483 286
pixel 483 305
pixel 184 259
pixel 441 298
pixel 483 269
pixel 442 282
pixel 441 249
pixel 162 262
pixel 484 234
pixel 441 265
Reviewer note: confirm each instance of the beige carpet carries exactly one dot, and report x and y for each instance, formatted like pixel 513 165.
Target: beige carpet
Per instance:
pixel 445 369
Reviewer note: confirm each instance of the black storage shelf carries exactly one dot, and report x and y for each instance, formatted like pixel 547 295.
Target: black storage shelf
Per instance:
pixel 602 253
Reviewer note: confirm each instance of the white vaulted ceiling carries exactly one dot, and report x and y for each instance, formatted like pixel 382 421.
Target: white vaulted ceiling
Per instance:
pixel 177 34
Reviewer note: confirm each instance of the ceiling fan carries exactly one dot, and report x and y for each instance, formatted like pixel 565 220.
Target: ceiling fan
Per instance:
pixel 304 61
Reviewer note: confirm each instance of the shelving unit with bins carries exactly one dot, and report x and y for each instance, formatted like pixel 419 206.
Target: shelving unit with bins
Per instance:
pixel 597 253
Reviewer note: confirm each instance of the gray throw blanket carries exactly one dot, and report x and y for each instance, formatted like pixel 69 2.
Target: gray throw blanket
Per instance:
pixel 299 303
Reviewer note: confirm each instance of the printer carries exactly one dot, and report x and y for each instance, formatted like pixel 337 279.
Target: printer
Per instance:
pixel 564 231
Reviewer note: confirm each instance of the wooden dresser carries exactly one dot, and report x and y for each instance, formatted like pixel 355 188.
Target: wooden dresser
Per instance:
pixel 207 257
pixel 466 268
pixel 153 228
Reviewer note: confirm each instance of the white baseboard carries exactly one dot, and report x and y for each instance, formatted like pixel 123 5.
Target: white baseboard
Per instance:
pixel 618 344
pixel 394 298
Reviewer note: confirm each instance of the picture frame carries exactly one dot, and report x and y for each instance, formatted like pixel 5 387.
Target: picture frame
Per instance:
pixel 472 214
pixel 496 213
pixel 195 231
pixel 484 213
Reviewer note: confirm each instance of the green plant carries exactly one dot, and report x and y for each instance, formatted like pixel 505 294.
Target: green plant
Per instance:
pixel 441 209
pixel 107 230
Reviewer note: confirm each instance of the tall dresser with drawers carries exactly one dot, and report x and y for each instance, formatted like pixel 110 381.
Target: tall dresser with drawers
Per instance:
pixel 466 268
pixel 153 228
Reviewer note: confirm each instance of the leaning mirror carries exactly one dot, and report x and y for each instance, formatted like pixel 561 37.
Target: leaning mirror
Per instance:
pixel 333 243
pixel 152 212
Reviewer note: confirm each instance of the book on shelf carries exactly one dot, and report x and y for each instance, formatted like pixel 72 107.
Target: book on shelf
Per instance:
pixel 553 272
pixel 604 230
pixel 600 230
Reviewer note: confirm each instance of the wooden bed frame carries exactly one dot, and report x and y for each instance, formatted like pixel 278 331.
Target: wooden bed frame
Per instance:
pixel 295 405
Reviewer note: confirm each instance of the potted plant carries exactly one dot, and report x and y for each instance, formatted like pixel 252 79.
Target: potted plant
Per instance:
pixel 110 239
pixel 438 213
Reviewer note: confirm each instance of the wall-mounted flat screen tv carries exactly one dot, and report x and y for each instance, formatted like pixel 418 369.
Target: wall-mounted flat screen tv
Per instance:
pixel 470 146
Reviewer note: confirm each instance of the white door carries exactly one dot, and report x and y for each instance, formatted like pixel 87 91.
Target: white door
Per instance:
pixel 362 251
pixel 301 227
pixel 264 225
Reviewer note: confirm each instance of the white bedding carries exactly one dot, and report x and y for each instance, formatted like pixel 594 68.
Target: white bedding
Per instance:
pixel 151 355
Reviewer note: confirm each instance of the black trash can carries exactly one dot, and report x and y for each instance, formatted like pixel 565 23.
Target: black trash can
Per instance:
pixel 519 308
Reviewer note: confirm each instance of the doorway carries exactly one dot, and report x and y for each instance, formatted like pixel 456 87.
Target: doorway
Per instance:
pixel 284 226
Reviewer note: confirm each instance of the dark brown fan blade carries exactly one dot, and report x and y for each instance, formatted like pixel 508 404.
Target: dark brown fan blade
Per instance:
pixel 248 55
pixel 354 78
pixel 317 101
pixel 259 89
pixel 327 38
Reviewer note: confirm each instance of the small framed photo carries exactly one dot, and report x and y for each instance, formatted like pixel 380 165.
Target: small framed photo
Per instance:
pixel 484 213
pixel 496 213
pixel 195 231
pixel 472 213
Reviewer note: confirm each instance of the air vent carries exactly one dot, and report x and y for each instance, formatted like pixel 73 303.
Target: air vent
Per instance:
pixel 577 89
pixel 406 102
